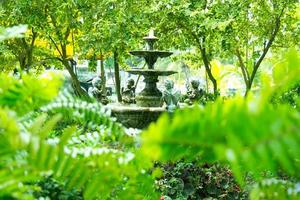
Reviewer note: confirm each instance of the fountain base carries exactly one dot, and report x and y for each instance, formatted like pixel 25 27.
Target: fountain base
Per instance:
pixel 148 101
pixel 132 116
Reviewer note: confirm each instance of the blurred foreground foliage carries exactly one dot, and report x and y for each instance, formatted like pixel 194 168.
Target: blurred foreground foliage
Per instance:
pixel 29 151
pixel 251 135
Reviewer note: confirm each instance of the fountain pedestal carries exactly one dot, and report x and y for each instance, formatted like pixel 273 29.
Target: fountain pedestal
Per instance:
pixel 150 96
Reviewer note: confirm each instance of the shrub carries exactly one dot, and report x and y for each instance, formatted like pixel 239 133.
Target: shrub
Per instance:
pixel 188 180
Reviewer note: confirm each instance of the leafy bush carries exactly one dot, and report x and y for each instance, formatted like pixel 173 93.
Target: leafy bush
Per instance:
pixel 188 180
pixel 52 189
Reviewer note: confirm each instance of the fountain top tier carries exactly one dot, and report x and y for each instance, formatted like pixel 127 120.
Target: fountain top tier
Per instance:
pixel 150 54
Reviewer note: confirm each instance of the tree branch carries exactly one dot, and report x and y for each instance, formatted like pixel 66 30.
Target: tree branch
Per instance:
pixel 67 33
pixel 243 67
pixel 208 68
pixel 205 59
pixel 57 32
pixel 56 47
pixel 267 46
pixel 34 35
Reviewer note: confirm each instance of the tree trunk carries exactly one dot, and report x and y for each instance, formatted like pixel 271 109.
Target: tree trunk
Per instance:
pixel 244 70
pixel 29 57
pixel 248 89
pixel 206 80
pixel 22 61
pixel 117 77
pixel 64 59
pixel 26 54
pixel 75 81
pixel 30 48
pixel 102 73
pixel 208 70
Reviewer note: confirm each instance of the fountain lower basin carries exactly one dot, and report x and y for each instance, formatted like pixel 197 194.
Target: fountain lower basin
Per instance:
pixel 132 116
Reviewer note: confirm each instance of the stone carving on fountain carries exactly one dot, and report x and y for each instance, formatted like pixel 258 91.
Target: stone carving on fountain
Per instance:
pixel 171 96
pixel 194 94
pixel 128 93
pixel 96 91
pixel 150 96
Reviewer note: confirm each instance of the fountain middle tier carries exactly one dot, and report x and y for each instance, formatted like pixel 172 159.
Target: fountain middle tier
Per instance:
pixel 151 72
pixel 150 96
pixel 151 56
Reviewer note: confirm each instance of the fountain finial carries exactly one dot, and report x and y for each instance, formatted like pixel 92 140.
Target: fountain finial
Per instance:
pixel 151 33
pixel 150 40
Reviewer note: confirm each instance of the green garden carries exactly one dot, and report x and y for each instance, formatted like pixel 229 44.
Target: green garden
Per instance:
pixel 154 100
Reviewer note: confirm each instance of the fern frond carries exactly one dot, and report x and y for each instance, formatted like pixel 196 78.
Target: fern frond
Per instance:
pixel 90 115
pixel 29 93
pixel 249 137
pixel 275 189
pixel 43 159
pixel 26 154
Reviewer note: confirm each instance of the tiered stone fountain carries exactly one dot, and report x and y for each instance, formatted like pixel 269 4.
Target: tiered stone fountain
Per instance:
pixel 149 106
pixel 150 96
